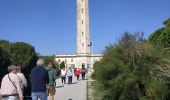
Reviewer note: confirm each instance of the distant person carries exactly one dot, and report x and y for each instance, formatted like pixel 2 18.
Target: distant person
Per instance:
pixel 63 75
pixel 39 79
pixel 83 72
pixel 22 77
pixel 69 75
pixel 77 73
pixel 10 86
pixel 52 77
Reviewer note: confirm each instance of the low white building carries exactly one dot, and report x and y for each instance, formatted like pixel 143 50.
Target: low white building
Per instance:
pixel 76 61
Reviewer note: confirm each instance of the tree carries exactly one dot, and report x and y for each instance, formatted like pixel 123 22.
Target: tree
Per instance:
pixel 62 65
pixel 125 70
pixel 47 59
pixel 50 59
pixel 161 37
pixel 24 55
pixel 4 62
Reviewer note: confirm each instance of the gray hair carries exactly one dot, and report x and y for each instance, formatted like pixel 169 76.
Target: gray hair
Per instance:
pixel 40 62
pixel 12 67
pixel 19 68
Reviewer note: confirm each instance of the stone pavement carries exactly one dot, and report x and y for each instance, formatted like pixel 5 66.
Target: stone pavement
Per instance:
pixel 75 91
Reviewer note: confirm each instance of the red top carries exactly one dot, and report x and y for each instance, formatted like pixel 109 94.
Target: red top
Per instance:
pixel 77 72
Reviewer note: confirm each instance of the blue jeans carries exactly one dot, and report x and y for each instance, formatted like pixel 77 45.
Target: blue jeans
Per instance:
pixel 41 95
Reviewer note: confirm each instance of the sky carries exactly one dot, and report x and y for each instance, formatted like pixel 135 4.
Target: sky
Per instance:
pixel 50 25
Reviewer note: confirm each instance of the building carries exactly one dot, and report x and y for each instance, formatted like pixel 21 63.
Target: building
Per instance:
pixel 84 55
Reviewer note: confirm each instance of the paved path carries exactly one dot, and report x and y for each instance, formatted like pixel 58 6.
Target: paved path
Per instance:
pixel 75 91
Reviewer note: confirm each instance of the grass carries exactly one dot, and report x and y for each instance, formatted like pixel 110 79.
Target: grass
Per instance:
pixel 94 91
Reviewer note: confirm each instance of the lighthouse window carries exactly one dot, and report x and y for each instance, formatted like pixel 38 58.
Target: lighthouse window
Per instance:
pixel 82 45
pixel 82 33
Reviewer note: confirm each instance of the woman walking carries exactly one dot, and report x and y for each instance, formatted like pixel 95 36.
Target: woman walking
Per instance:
pixel 69 75
pixel 52 77
pixel 77 73
pixel 63 75
pixel 83 72
pixel 10 86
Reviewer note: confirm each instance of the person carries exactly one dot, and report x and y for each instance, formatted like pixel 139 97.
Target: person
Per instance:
pixel 69 75
pixel 22 78
pixel 83 72
pixel 39 79
pixel 77 73
pixel 63 75
pixel 10 85
pixel 52 77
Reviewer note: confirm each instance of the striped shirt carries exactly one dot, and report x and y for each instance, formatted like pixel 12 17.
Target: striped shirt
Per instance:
pixel 7 88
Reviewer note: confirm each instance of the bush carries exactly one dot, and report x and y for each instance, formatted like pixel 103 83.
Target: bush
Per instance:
pixel 125 70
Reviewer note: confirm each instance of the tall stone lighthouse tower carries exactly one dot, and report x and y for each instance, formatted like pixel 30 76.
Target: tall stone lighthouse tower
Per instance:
pixel 84 56
pixel 83 34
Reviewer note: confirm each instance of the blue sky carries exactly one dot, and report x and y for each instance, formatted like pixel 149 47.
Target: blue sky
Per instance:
pixel 50 25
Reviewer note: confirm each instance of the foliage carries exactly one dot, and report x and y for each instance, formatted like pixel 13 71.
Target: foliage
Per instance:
pixel 62 65
pixel 161 37
pixel 47 59
pixel 4 62
pixel 21 54
pixel 125 70
pixel 50 59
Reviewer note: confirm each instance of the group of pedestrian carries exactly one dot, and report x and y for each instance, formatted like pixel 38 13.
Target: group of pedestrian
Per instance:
pixel 42 82
pixel 82 71
pixel 68 73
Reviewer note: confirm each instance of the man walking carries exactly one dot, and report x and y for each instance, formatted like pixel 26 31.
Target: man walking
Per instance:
pixel 52 77
pixel 83 72
pixel 39 79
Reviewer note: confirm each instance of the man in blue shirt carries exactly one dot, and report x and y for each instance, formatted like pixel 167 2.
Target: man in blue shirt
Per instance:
pixel 39 79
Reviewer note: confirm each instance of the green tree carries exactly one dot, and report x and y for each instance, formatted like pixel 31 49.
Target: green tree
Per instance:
pixel 50 59
pixel 62 65
pixel 47 59
pixel 161 37
pixel 4 62
pixel 125 70
pixel 24 55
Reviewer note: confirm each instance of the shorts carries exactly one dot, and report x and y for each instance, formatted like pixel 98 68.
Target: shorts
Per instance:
pixel 51 90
